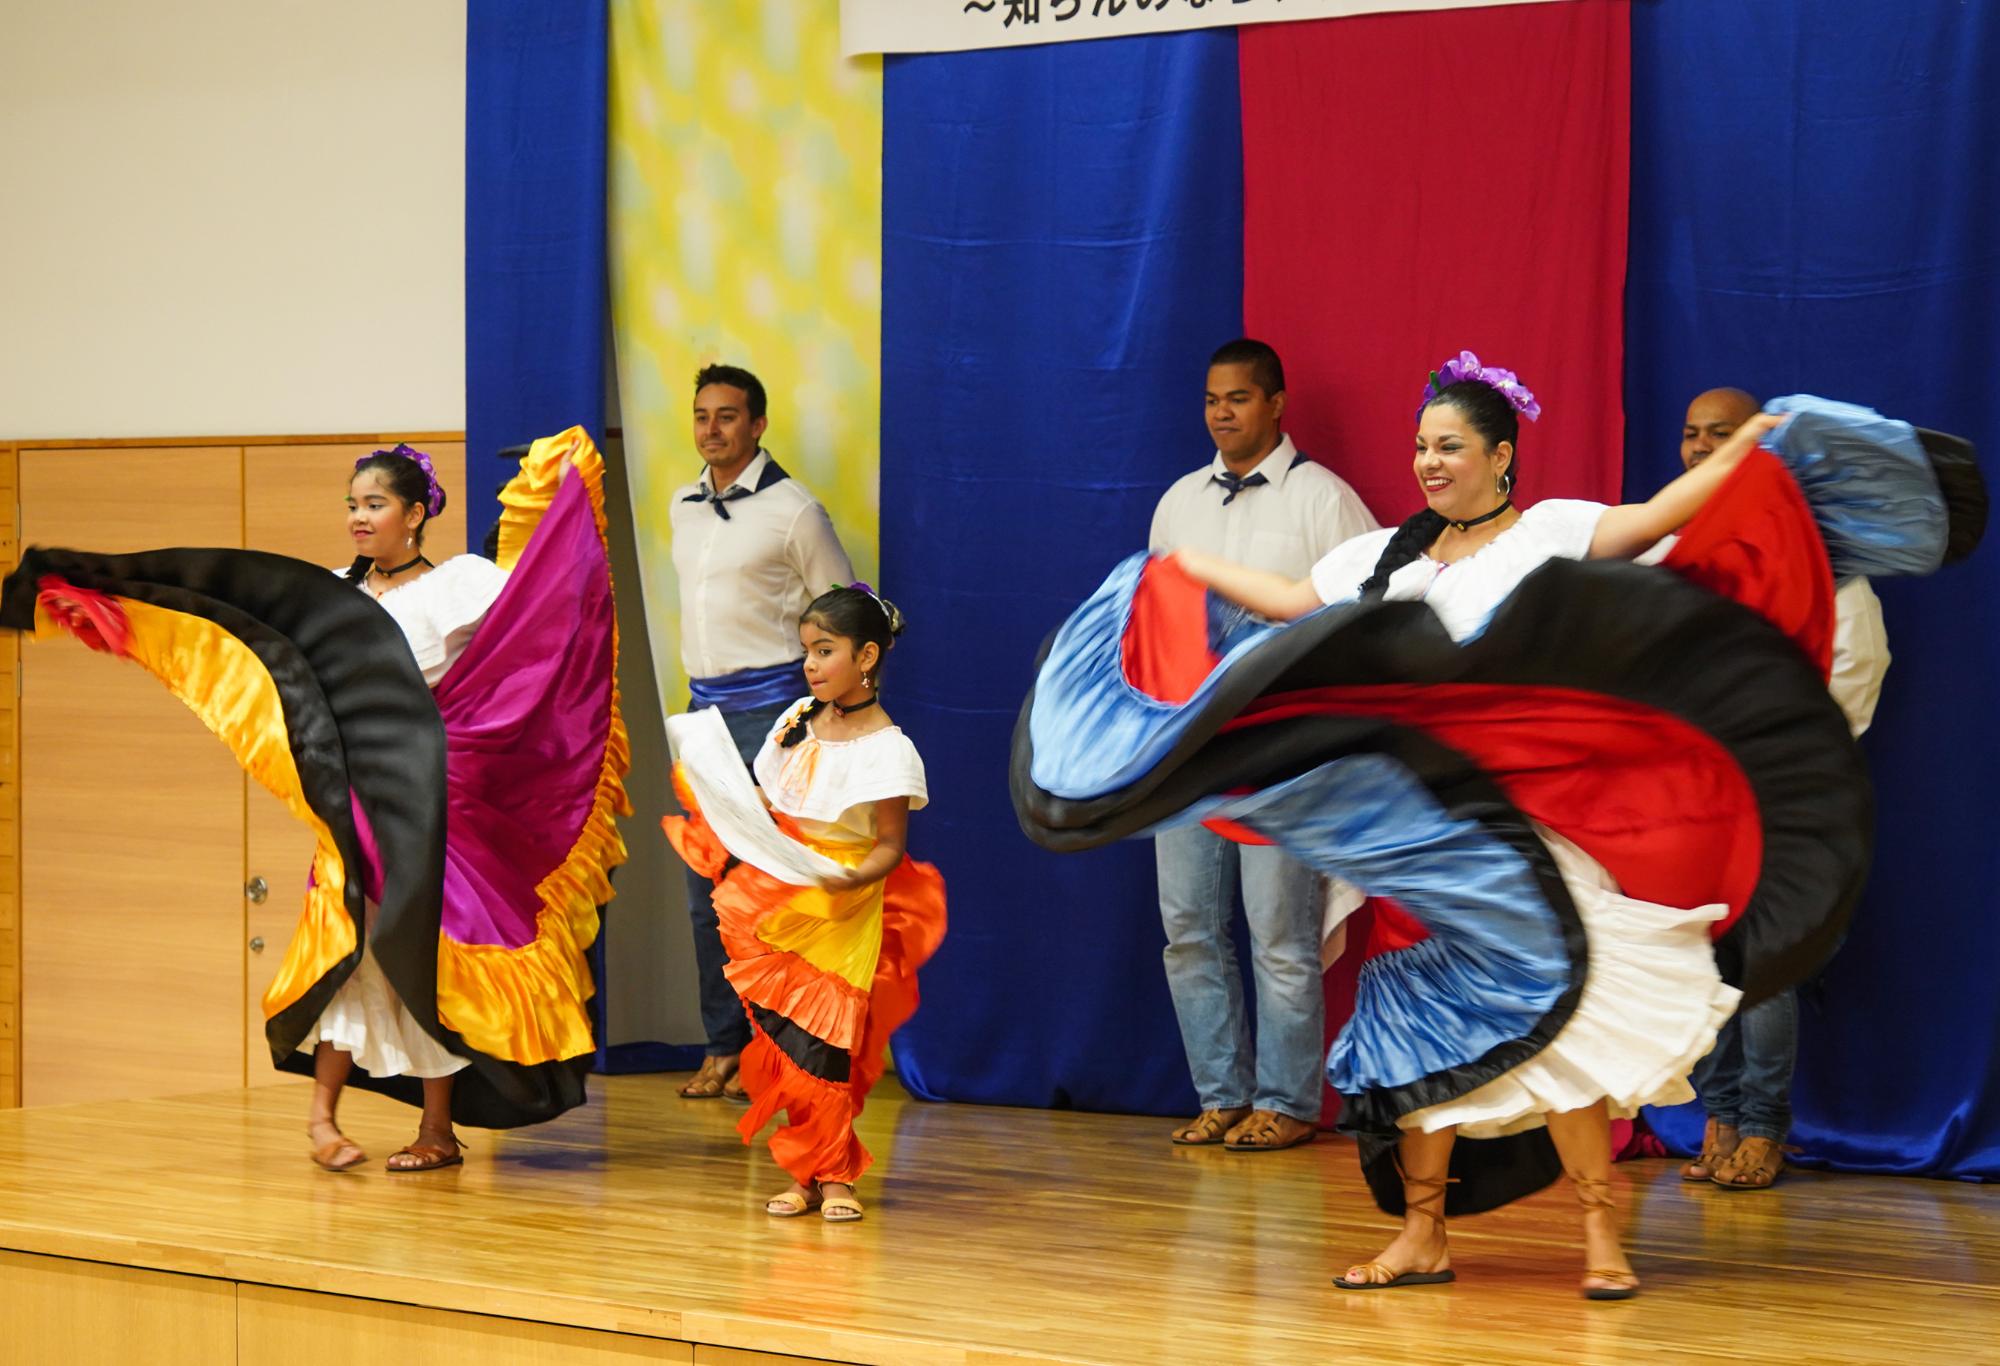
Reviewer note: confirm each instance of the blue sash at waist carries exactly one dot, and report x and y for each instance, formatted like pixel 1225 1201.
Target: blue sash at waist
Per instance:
pixel 750 689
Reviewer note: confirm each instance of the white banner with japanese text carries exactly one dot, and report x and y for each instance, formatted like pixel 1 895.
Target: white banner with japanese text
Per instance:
pixel 868 26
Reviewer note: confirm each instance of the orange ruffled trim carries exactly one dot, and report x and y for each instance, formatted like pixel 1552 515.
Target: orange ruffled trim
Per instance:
pixel 818 1142
pixel 528 1005
pixel 823 1004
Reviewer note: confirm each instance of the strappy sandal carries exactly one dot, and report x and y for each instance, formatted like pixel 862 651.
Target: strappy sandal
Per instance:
pixel 1718 1141
pixel 1382 1277
pixel 1595 1193
pixel 430 1156
pixel 1209 1127
pixel 711 1080
pixel 1754 1166
pixel 1261 1133
pixel 791 1204
pixel 325 1154
pixel 839 1209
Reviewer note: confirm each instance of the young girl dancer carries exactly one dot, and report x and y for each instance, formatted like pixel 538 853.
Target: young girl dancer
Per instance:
pixel 440 966
pixel 827 972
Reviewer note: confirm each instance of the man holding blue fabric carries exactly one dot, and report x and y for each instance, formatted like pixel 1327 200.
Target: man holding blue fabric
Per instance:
pixel 751 548
pixel 1745 1083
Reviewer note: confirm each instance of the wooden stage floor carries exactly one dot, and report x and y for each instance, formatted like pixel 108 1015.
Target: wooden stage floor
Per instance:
pixel 992 1236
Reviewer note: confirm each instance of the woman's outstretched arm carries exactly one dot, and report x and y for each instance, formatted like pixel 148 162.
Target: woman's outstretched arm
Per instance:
pixel 1267 594
pixel 1632 528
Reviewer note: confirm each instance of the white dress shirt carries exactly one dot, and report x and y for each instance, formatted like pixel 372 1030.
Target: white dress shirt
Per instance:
pixel 745 579
pixel 1286 524
pixel 1301 511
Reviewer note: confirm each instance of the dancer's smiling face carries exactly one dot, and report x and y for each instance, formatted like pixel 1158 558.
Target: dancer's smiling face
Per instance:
pixel 384 525
pixel 1456 469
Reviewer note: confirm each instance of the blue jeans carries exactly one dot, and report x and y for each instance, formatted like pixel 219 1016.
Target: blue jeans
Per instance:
pixel 1747 1080
pixel 722 1017
pixel 1200 873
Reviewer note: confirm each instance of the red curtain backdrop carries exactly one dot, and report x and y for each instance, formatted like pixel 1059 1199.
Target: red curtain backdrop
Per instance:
pixel 1415 184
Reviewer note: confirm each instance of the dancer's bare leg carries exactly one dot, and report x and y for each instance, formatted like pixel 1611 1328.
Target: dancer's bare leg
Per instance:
pixel 331 1148
pixel 1425 1159
pixel 1583 1141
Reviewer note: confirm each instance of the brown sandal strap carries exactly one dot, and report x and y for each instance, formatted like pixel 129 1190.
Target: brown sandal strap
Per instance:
pixel 1592 1192
pixel 1431 1205
pixel 1206 1127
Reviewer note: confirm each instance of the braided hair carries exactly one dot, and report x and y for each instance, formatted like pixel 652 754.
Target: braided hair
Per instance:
pixel 856 614
pixel 1489 413
pixel 406 479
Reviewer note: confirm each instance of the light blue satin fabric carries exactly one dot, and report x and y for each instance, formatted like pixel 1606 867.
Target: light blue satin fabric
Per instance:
pixel 1093 731
pixel 1869 484
pixel 1495 962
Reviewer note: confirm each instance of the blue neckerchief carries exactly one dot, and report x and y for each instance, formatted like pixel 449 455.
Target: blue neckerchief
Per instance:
pixel 773 472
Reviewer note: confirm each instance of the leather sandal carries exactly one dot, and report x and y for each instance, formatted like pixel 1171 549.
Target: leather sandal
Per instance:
pixel 1595 1193
pixel 1380 1276
pixel 1754 1166
pixel 711 1080
pixel 327 1155
pixel 1210 1127
pixel 1718 1141
pixel 839 1209
pixel 791 1204
pixel 1267 1131
pixel 430 1156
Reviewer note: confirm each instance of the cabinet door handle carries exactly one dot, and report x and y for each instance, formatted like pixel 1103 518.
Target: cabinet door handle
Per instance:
pixel 256 889
pixel 257 944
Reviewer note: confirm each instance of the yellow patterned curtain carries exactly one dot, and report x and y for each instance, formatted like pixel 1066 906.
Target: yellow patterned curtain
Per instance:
pixel 746 226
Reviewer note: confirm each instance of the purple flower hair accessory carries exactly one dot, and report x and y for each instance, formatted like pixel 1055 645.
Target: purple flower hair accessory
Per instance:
pixel 1466 366
pixel 433 491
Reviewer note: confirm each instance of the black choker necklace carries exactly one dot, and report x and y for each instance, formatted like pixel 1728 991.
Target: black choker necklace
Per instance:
pixel 410 564
pixel 1471 522
pixel 849 711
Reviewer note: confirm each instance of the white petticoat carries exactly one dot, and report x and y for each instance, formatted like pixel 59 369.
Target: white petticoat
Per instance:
pixel 369 1020
pixel 1651 1005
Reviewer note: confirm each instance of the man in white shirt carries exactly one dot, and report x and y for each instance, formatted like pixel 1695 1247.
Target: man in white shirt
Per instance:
pixel 1745 1083
pixel 751 549
pixel 1261 503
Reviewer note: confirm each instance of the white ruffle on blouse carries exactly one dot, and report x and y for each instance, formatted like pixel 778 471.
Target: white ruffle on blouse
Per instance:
pixel 831 786
pixel 1465 593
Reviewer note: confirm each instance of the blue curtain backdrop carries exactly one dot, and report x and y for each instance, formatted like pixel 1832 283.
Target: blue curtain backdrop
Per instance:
pixel 535 111
pixel 536 105
pixel 1816 206
pixel 1062 248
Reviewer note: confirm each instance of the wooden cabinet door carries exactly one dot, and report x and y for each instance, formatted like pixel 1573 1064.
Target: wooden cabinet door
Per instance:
pixel 131 812
pixel 294 504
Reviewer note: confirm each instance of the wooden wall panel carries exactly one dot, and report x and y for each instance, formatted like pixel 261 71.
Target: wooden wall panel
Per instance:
pixel 10 803
pixel 132 813
pixel 53 1309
